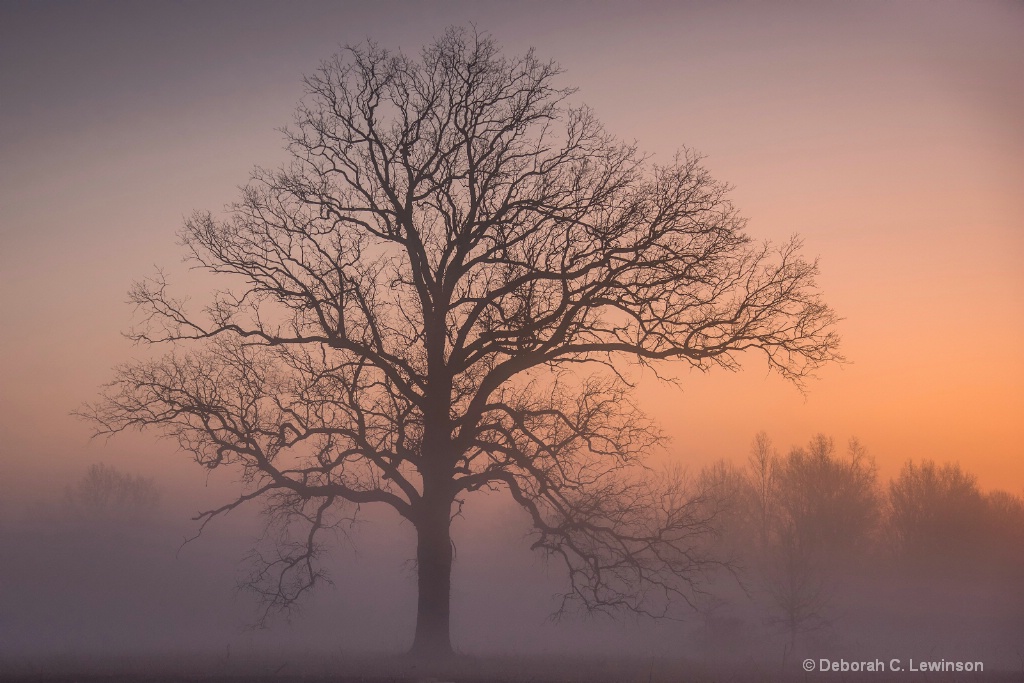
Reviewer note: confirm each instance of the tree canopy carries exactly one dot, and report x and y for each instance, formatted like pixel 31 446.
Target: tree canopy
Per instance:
pixel 438 295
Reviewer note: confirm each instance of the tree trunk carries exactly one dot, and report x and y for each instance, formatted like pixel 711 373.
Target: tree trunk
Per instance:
pixel 434 571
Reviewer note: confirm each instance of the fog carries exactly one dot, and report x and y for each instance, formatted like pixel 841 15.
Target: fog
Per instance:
pixel 76 587
pixel 90 582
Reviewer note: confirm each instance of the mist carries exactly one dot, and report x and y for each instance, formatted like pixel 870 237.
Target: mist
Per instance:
pixel 885 137
pixel 121 583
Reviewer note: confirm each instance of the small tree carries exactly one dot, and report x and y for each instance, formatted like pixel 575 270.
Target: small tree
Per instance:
pixel 106 494
pixel 438 296
pixel 827 512
pixel 1005 532
pixel 937 513
pixel 830 503
pixel 762 482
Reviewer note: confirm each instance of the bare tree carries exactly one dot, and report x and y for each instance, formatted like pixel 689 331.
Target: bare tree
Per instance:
pixel 106 494
pixel 830 503
pixel 762 475
pixel 1005 533
pixel 827 510
pixel 937 514
pixel 799 590
pixel 440 295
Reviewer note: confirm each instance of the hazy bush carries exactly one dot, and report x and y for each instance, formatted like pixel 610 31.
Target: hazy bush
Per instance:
pixel 1004 532
pixel 937 514
pixel 104 494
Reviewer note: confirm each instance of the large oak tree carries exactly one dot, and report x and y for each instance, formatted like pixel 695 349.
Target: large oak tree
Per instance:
pixel 438 296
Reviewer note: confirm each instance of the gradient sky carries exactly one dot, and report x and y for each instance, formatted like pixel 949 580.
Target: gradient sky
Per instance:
pixel 888 135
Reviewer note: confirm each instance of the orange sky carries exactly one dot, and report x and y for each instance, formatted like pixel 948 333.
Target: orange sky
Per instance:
pixel 887 135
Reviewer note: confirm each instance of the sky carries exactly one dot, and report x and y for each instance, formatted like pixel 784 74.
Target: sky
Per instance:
pixel 887 135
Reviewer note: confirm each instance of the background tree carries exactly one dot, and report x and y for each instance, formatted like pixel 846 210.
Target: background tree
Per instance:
pixel 1005 532
pixel 439 295
pixel 827 511
pixel 105 494
pixel 726 500
pixel 762 482
pixel 937 514
pixel 829 503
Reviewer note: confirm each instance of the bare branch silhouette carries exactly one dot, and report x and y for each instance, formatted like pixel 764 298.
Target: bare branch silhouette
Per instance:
pixel 438 296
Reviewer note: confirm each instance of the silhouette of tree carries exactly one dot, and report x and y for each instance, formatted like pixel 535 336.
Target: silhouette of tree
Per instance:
pixel 727 498
pixel 105 494
pixel 797 586
pixel 762 482
pixel 937 513
pixel 438 296
pixel 830 503
pixel 1005 532
pixel 826 510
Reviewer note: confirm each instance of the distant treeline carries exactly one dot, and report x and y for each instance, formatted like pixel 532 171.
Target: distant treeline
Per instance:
pixel 813 554
pixel 814 536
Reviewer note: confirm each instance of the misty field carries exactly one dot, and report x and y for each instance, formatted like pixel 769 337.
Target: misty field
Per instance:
pixel 539 342
pixel 100 588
